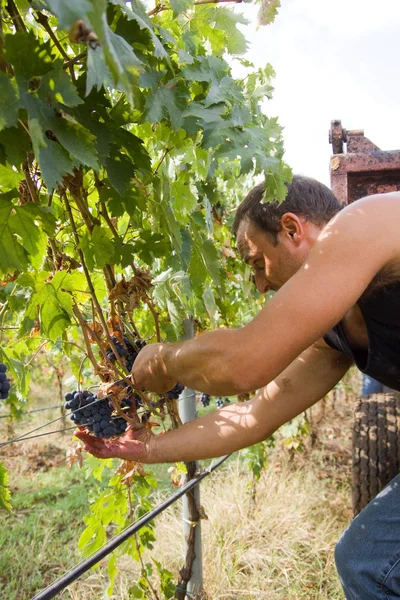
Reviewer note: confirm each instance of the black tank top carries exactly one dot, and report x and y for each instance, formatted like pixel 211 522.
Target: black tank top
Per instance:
pixel 380 308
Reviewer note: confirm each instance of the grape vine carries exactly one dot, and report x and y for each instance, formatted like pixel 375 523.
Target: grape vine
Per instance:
pixel 125 143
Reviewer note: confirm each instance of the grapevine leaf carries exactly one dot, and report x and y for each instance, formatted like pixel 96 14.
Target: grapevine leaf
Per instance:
pixel 8 103
pixel 54 161
pixel 16 144
pixel 151 245
pixel 211 305
pixel 227 20
pixel 33 238
pixel 118 54
pixel 183 198
pixel 76 139
pixel 120 171
pixel 98 73
pixel 186 251
pixel 167 102
pixel 3 155
pixel 139 14
pixel 5 495
pixel 21 236
pixel 197 270
pixel 212 260
pixel 275 188
pixel 69 12
pixel 19 46
pixel 55 305
pixel 9 178
pixel 136 150
pixel 103 246
pixel 268 11
pixel 179 6
pixel 56 86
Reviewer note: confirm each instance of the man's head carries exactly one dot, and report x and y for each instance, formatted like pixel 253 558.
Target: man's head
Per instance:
pixel 275 239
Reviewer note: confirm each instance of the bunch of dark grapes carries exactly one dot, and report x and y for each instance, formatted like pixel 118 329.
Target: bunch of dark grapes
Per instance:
pixel 175 392
pixel 126 351
pixel 220 403
pixel 4 383
pixel 205 400
pixel 97 415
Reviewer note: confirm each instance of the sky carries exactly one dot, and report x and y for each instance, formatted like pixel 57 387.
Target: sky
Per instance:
pixel 334 59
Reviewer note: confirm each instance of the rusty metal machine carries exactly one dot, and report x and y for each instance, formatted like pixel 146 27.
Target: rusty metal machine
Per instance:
pixel 362 168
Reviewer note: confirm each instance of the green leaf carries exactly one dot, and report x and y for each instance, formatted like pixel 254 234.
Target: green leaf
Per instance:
pixel 54 161
pixel 180 6
pixel 149 246
pixel 56 85
pixel 183 198
pixel 8 103
pixel 5 495
pixel 168 102
pixel 55 303
pixel 103 246
pixel 118 54
pixel 197 270
pixel 212 260
pixel 69 12
pixel 23 241
pixel 76 139
pixel 9 178
pixel 227 20
pixel 16 143
pixel 211 305
pixel 275 179
pixel 120 171
pixel 98 73
pixel 268 11
pixel 33 238
pixel 139 14
pixel 19 46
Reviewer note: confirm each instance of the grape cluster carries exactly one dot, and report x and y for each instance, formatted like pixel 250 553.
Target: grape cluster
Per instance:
pixel 97 415
pixel 175 392
pixel 205 400
pixel 126 351
pixel 4 383
pixel 220 403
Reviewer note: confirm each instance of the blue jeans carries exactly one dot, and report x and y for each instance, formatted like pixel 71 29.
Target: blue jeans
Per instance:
pixel 368 553
pixel 370 386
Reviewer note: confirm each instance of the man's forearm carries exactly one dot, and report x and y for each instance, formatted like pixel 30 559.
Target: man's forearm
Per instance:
pixel 211 363
pixel 218 433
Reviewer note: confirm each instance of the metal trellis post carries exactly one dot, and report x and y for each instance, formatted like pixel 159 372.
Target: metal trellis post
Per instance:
pixel 188 412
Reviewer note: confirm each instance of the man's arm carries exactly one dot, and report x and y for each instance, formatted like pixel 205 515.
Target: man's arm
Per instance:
pixel 303 383
pixel 356 245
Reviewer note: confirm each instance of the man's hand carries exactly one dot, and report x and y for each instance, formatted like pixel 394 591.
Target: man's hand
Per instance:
pixel 133 445
pixel 150 370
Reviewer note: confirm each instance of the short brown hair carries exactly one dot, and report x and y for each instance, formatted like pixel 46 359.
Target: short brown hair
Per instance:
pixel 306 197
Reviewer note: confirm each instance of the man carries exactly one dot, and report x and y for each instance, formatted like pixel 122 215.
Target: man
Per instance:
pixel 336 274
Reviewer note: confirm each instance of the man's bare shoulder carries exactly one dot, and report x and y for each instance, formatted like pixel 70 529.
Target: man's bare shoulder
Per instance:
pixel 373 221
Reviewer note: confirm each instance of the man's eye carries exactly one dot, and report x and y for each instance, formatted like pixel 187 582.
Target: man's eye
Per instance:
pixel 259 267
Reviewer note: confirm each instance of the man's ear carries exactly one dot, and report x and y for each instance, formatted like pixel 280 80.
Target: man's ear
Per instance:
pixel 292 227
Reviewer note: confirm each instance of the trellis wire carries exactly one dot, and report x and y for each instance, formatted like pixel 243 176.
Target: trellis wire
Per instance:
pixel 23 437
pixel 29 412
pixel 60 584
pixel 31 437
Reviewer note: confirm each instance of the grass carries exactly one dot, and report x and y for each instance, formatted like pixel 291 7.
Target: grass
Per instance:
pixel 277 545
